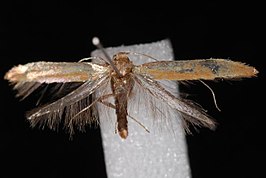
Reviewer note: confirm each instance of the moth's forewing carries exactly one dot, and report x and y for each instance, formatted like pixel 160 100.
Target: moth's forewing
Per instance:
pixel 51 72
pixel 202 69
pixel 27 78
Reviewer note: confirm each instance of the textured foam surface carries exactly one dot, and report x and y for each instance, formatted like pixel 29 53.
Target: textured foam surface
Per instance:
pixel 160 153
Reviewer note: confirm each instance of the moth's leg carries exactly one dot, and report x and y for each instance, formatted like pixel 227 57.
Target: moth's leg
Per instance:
pixel 99 99
pixel 108 104
pixel 70 125
pixel 111 105
pixel 138 122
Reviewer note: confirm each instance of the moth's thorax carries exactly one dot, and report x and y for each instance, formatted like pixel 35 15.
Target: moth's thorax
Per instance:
pixel 122 63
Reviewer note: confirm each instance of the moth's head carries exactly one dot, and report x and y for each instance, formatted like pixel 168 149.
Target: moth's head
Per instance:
pixel 122 63
pixel 121 57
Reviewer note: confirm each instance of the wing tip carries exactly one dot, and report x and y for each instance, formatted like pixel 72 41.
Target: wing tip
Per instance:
pixel 16 74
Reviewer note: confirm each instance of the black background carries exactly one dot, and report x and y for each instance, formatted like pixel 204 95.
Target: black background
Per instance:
pixel 62 31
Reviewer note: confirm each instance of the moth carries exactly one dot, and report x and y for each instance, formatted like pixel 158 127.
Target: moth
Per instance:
pixel 123 76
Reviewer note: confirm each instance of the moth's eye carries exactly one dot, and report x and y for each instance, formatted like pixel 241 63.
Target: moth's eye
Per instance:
pixel 115 57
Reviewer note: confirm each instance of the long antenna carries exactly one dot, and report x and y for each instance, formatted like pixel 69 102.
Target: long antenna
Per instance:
pixel 213 95
pixel 96 42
